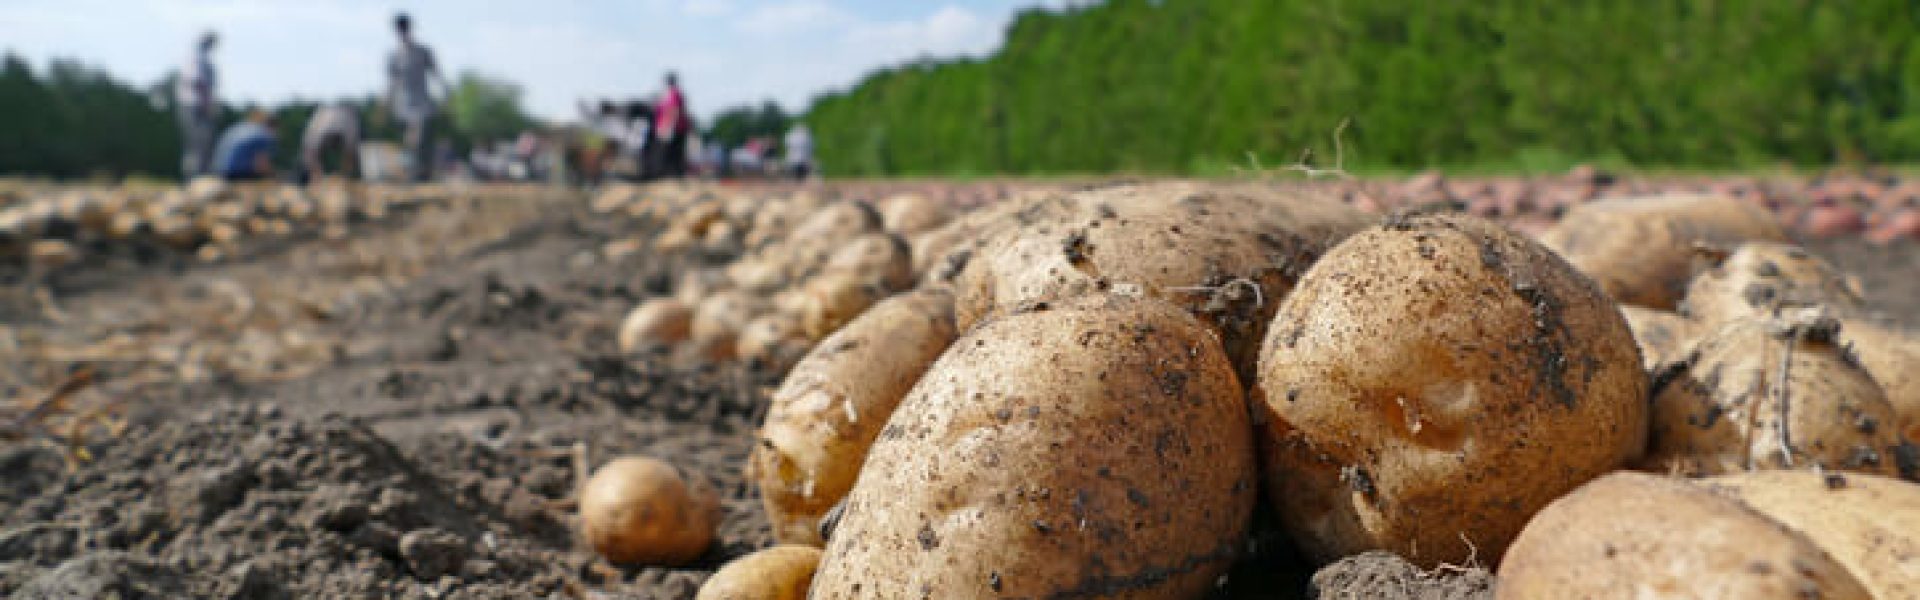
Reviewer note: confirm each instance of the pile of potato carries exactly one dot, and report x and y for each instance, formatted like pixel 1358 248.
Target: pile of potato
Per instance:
pixel 1089 394
pixel 207 217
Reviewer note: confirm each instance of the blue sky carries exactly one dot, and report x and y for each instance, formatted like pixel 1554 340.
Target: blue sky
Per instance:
pixel 727 51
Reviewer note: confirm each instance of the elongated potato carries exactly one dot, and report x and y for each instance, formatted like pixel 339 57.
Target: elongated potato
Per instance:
pixel 1641 250
pixel 1630 535
pixel 1663 336
pixel 1869 524
pixel 1432 382
pixel 778 573
pixel 1228 257
pixel 655 321
pixel 1097 448
pixel 1893 357
pixel 1771 393
pixel 1757 279
pixel 833 403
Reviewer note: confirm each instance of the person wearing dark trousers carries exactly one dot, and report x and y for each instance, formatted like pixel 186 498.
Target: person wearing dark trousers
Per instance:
pixel 245 152
pixel 197 107
pixel 410 68
pixel 671 126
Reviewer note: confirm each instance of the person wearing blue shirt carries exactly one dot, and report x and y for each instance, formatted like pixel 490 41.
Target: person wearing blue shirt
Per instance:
pixel 246 149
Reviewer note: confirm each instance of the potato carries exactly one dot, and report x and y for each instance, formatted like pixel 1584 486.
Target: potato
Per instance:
pixel 833 403
pixel 777 573
pixel 1663 336
pixel 1227 257
pixel 833 299
pixel 773 339
pixel 1641 250
pixel 1870 525
pixel 695 285
pixel 717 322
pixel 660 321
pixel 1892 356
pixel 1631 535
pixel 881 258
pixel 1770 393
pixel 1758 278
pixel 1432 382
pixel 640 511
pixel 908 214
pixel 770 223
pixel 1098 447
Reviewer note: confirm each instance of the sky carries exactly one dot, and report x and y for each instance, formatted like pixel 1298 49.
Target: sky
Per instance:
pixel 727 52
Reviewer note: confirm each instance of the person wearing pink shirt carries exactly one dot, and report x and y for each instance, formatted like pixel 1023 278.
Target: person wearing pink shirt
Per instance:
pixel 671 125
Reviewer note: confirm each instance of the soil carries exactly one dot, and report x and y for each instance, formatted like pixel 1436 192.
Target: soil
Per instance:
pixel 396 413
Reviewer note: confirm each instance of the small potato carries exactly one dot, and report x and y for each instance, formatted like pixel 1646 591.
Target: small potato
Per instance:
pixel 778 573
pixel 695 285
pixel 908 214
pixel 1770 393
pixel 774 340
pixel 1631 535
pixel 1869 524
pixel 758 274
pixel 1641 250
pixel 1758 279
pixel 660 321
pixel 637 510
pixel 1893 357
pixel 833 299
pixel 1663 336
pixel 833 403
pixel 882 258
pixel 717 322
pixel 1098 447
pixel 1432 382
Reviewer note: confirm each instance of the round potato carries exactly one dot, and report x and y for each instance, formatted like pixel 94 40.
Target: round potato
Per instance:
pixel 777 573
pixel 1099 447
pixel 1663 336
pixel 656 321
pixel 1869 524
pixel 1227 256
pixel 717 321
pixel 833 403
pixel 1757 279
pixel 774 340
pixel 1641 250
pixel 1631 535
pixel 882 258
pixel 1432 382
pixel 908 214
pixel 641 511
pixel 833 299
pixel 1770 393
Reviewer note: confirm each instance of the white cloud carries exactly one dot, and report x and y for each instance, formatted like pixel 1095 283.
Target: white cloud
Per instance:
pixel 792 16
pixel 707 8
pixel 950 30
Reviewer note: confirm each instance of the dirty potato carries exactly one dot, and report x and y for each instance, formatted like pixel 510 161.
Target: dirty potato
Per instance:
pixel 1432 382
pixel 1663 336
pixel 778 573
pixel 1097 447
pixel 1641 250
pixel 1757 279
pixel 1869 524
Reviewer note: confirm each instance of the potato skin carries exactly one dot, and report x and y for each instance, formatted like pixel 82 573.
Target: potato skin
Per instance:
pixel 1096 448
pixel 655 321
pixel 1893 357
pixel 1721 410
pixel 833 403
pixel 1641 250
pixel 779 573
pixel 833 299
pixel 1631 535
pixel 1663 336
pixel 1869 524
pixel 641 511
pixel 1757 279
pixel 1432 382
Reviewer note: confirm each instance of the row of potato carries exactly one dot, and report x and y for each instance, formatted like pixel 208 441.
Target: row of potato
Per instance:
pixel 1083 394
pixel 208 217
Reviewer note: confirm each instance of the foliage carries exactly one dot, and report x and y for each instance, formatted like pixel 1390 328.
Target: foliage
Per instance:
pixel 486 108
pixel 734 126
pixel 1190 85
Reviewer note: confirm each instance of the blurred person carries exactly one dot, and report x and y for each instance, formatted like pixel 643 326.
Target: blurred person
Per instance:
pixel 409 69
pixel 334 125
pixel 245 152
pixel 799 151
pixel 197 107
pixel 671 124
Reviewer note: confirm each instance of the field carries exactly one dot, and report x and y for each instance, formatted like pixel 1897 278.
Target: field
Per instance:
pixel 396 398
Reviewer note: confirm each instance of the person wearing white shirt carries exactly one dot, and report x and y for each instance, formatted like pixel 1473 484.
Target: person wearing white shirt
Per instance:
pixel 410 68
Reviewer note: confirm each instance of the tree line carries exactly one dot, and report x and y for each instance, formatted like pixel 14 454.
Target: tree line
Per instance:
pixel 1185 86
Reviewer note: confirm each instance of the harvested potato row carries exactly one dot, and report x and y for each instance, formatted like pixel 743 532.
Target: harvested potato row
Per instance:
pixel 832 405
pixel 1631 535
pixel 1228 257
pixel 1432 382
pixel 1758 279
pixel 1771 393
pixel 1099 447
pixel 1641 250
pixel 1869 524
pixel 1663 336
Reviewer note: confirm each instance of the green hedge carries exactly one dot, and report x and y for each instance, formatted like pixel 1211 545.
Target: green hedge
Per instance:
pixel 1183 86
